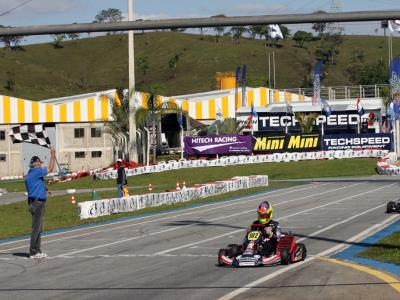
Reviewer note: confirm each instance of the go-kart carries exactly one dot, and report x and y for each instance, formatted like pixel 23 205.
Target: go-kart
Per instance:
pixel 251 253
pixel 393 207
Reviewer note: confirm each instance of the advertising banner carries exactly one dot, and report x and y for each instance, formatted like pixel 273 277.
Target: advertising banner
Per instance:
pixel 277 122
pixel 381 141
pixel 218 144
pixel 286 143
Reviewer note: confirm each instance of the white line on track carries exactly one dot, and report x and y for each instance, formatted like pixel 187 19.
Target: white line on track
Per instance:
pixel 232 202
pixel 219 218
pixel 288 216
pixel 334 249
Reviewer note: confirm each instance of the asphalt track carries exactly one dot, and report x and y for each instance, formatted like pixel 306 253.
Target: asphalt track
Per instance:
pixel 172 255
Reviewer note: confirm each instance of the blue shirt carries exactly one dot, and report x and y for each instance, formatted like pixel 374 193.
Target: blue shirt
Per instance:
pixel 34 182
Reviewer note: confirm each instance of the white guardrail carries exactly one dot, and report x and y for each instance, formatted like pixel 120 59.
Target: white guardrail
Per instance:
pixel 104 207
pixel 243 159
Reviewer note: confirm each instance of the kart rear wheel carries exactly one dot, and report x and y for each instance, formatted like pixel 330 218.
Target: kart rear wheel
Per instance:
pixel 233 250
pixel 221 252
pixel 285 256
pixel 303 251
pixel 390 207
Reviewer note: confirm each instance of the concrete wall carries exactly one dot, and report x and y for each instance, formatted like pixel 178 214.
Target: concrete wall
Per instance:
pixel 12 166
pixel 68 145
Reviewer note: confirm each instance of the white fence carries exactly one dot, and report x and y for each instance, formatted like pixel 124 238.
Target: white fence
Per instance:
pixel 104 207
pixel 236 160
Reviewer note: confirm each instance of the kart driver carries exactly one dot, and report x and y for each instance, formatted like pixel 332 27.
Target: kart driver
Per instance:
pixel 271 229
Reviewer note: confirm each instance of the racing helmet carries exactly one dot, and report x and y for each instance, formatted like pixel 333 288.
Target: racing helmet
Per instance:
pixel 265 212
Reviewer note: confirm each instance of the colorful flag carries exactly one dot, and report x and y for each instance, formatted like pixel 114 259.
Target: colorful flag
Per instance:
pixel 244 100
pixel 317 83
pixel 275 31
pixel 180 118
pixel 253 111
pixel 394 82
pixel 32 133
pixel 237 86
pixel 326 108
pixel 360 108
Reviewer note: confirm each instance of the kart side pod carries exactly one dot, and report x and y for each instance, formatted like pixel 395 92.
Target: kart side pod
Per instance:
pixel 393 207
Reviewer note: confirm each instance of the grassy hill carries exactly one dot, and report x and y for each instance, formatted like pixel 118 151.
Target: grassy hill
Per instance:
pixel 41 71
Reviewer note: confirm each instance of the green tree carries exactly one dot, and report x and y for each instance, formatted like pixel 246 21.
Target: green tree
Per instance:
pixel 321 27
pixel 302 37
pixel 11 42
pixel 109 15
pixel 376 73
pixel 228 126
pixel 237 32
pixel 143 64
pixel 119 126
pixel 173 62
pixel 57 39
pixel 285 31
pixel 219 30
pixel 254 30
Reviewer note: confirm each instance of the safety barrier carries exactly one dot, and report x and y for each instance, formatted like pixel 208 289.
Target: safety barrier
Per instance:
pixel 104 207
pixel 242 159
pixel 388 165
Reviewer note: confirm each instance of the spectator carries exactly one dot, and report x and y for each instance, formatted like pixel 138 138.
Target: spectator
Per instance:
pixel 121 178
pixel 37 195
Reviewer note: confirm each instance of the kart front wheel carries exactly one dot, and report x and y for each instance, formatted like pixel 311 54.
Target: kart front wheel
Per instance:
pixel 303 249
pixel 285 256
pixel 221 252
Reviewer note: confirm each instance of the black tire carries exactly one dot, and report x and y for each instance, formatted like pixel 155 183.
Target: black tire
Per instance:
pixel 285 257
pixel 390 207
pixel 233 250
pixel 220 253
pixel 303 251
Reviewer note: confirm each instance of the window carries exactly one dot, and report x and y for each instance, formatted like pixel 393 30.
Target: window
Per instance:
pixel 79 132
pixel 2 135
pixel 80 154
pixel 96 132
pixel 96 154
pixel 2 157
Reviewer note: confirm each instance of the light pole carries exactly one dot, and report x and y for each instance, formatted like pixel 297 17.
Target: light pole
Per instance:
pixel 131 89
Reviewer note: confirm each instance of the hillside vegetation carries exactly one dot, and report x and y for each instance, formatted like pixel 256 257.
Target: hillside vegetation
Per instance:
pixel 43 71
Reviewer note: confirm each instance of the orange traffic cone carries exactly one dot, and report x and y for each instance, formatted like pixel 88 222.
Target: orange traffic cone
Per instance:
pixel 178 188
pixel 183 185
pixel 150 188
pixel 73 201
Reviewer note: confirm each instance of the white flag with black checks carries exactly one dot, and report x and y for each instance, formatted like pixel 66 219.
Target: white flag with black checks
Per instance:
pixel 33 133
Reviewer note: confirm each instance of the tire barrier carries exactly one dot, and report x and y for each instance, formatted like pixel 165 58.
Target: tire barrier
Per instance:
pixel 104 207
pixel 242 159
pixel 388 165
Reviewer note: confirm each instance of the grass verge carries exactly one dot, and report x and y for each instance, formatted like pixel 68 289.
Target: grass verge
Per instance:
pixel 15 219
pixel 386 250
pixel 167 180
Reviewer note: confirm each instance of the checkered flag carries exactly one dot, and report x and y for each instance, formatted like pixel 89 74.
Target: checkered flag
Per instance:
pixel 34 134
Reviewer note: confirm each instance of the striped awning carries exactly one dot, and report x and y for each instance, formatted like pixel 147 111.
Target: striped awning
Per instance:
pixel 97 106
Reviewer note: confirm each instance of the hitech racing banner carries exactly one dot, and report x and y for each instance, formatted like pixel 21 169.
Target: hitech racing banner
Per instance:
pixel 381 141
pixel 277 122
pixel 218 144
pixel 286 143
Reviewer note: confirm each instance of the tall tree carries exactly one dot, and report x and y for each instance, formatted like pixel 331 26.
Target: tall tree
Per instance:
pixel 11 41
pixel 237 32
pixel 143 64
pixel 321 27
pixel 109 15
pixel 219 30
pixel 173 63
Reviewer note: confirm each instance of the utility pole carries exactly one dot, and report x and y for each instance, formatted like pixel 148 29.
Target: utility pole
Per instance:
pixel 131 89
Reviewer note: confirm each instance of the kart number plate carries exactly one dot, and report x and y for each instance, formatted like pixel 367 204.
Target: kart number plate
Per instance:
pixel 247 263
pixel 253 236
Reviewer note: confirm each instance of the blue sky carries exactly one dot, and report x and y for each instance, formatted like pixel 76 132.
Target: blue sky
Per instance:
pixel 43 12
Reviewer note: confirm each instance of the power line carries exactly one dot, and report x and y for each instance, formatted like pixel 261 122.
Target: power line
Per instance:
pixel 14 8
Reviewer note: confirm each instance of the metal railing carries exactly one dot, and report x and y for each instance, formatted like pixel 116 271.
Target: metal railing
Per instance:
pixel 346 92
